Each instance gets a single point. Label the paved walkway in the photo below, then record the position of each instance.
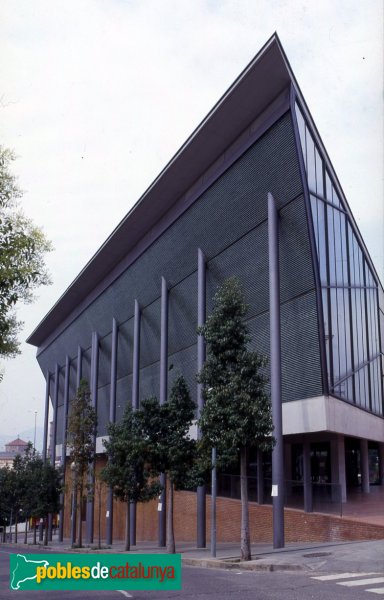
(366, 508)
(342, 557)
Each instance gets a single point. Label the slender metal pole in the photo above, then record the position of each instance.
(136, 357)
(213, 503)
(79, 367)
(45, 438)
(275, 365)
(34, 433)
(135, 402)
(46, 415)
(307, 476)
(91, 479)
(74, 504)
(64, 445)
(112, 419)
(163, 398)
(201, 353)
(54, 436)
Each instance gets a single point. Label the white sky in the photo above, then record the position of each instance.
(97, 95)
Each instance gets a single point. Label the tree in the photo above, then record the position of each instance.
(41, 487)
(171, 451)
(127, 470)
(22, 249)
(82, 423)
(237, 412)
(6, 485)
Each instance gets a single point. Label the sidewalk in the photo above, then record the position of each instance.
(328, 558)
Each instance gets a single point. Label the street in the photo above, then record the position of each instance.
(202, 583)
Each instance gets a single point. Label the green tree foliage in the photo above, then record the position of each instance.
(22, 250)
(82, 423)
(171, 451)
(30, 489)
(127, 470)
(237, 413)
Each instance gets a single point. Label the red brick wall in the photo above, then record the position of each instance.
(299, 526)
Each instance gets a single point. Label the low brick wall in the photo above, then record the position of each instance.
(299, 526)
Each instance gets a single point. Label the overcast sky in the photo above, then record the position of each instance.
(97, 95)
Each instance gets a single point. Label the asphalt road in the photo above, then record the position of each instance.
(215, 584)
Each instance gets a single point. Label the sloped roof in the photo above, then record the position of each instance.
(261, 82)
(17, 442)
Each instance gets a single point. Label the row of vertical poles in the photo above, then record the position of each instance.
(275, 362)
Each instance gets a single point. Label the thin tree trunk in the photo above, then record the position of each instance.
(46, 530)
(171, 549)
(16, 522)
(127, 529)
(80, 527)
(34, 533)
(26, 532)
(245, 536)
(99, 492)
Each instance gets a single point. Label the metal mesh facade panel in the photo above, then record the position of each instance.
(125, 349)
(229, 223)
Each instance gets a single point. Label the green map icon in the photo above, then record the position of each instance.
(24, 570)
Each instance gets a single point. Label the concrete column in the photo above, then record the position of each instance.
(54, 435)
(308, 501)
(135, 401)
(381, 462)
(275, 367)
(338, 473)
(201, 316)
(364, 466)
(163, 398)
(91, 480)
(112, 419)
(64, 444)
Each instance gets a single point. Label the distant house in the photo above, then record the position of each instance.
(12, 449)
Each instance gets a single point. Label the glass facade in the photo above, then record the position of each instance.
(349, 288)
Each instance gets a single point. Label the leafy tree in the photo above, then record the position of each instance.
(5, 496)
(22, 250)
(82, 423)
(237, 411)
(127, 470)
(41, 486)
(171, 451)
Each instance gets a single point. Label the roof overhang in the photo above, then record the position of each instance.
(266, 76)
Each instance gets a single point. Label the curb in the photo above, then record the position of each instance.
(214, 563)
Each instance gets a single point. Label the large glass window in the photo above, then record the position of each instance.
(349, 288)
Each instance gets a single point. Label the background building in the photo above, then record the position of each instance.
(133, 310)
(12, 449)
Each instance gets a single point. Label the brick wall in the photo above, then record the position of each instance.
(299, 526)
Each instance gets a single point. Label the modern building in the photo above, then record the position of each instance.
(12, 449)
(135, 306)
